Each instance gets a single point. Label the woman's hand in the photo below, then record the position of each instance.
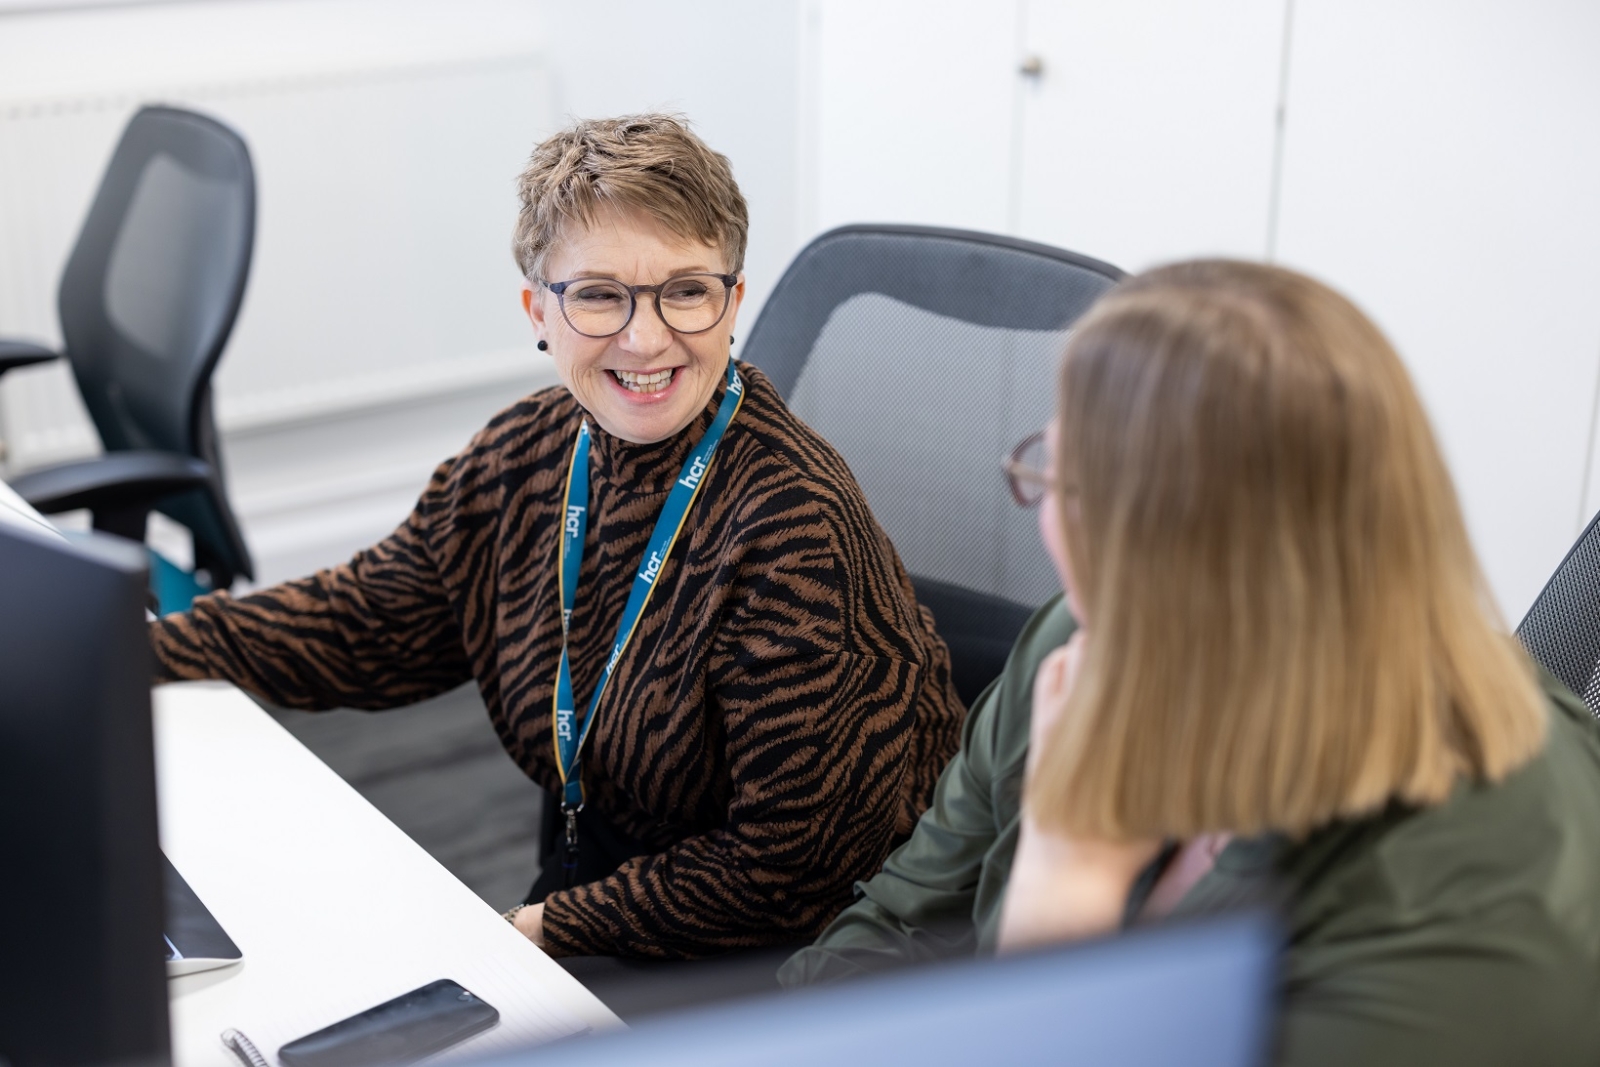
(529, 922)
(1062, 887)
(1052, 685)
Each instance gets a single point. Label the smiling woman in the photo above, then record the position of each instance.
(684, 621)
(642, 374)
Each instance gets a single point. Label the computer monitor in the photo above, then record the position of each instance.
(81, 974)
(1200, 994)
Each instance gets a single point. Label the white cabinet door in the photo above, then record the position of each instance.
(913, 111)
(1442, 167)
(1149, 133)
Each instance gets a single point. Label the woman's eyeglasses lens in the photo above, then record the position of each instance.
(600, 307)
(1027, 470)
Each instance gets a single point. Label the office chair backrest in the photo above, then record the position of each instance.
(923, 355)
(150, 294)
(1562, 629)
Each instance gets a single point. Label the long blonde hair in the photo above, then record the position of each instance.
(1288, 623)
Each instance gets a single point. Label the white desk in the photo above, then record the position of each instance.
(334, 908)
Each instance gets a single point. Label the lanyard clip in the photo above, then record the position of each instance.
(569, 863)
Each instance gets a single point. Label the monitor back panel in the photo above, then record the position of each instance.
(81, 974)
(1201, 994)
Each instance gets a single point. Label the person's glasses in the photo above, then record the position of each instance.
(1027, 470)
(600, 307)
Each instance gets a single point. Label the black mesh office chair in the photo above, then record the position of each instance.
(1562, 629)
(147, 301)
(923, 355)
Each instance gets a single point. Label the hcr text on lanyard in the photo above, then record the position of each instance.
(567, 732)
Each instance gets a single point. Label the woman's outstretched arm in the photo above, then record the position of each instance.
(376, 632)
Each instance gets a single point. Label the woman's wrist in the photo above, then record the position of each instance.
(528, 920)
(1063, 888)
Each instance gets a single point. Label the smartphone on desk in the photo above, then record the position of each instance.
(402, 1030)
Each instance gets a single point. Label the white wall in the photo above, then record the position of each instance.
(1442, 166)
(912, 112)
(1139, 144)
(1149, 133)
(1439, 161)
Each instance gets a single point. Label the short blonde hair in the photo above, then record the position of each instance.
(1288, 623)
(652, 163)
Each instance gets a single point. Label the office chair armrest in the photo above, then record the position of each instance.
(14, 354)
(116, 481)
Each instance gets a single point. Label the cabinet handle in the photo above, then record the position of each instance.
(1032, 67)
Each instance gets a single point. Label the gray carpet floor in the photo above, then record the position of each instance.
(437, 770)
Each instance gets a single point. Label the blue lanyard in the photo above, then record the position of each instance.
(569, 736)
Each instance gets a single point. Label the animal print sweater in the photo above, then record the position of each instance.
(775, 726)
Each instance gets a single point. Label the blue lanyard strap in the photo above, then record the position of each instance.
(569, 736)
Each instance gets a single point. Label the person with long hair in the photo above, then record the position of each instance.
(1287, 681)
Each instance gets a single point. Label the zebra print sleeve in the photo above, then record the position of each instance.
(377, 632)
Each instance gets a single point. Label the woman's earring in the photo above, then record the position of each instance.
(730, 340)
(543, 345)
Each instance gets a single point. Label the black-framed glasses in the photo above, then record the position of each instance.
(600, 307)
(1027, 470)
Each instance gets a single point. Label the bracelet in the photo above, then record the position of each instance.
(510, 915)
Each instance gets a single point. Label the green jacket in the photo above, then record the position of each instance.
(1464, 934)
